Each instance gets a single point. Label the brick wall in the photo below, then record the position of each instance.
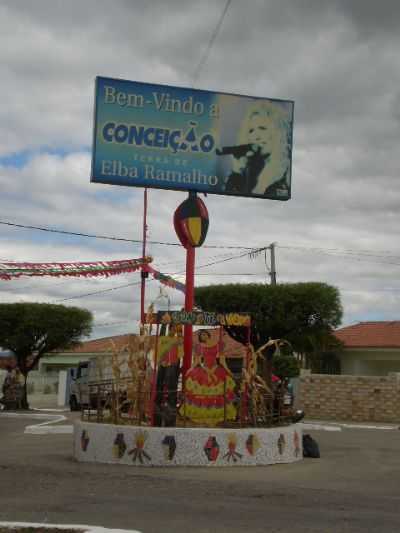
(356, 398)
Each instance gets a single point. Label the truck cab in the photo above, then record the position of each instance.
(79, 389)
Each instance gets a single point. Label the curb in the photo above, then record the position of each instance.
(86, 529)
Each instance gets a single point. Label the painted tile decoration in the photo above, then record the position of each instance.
(296, 442)
(169, 447)
(281, 444)
(172, 447)
(252, 444)
(138, 452)
(84, 440)
(119, 446)
(211, 448)
(232, 453)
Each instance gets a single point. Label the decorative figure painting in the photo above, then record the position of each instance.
(138, 452)
(296, 442)
(281, 444)
(252, 444)
(169, 447)
(119, 446)
(209, 384)
(84, 440)
(232, 453)
(211, 449)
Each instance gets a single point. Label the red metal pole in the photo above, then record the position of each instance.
(189, 302)
(142, 272)
(154, 379)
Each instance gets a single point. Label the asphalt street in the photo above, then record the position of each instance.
(354, 487)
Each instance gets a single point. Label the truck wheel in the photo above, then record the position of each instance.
(73, 404)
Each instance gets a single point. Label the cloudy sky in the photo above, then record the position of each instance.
(339, 60)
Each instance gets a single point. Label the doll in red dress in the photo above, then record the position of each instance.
(209, 384)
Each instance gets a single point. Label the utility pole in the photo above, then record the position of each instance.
(273, 269)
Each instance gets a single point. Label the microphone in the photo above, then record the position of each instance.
(237, 151)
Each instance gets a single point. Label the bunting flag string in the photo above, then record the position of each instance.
(11, 270)
(164, 279)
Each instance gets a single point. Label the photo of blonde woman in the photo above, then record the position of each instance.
(261, 158)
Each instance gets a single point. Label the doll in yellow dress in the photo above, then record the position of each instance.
(209, 384)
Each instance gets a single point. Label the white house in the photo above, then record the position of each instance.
(370, 348)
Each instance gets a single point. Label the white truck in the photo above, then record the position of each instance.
(95, 378)
(79, 386)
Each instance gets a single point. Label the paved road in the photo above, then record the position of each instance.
(354, 487)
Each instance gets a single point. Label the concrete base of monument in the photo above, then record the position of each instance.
(151, 446)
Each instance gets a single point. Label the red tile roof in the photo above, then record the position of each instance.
(370, 335)
(101, 345)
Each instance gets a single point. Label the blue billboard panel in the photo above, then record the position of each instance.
(164, 137)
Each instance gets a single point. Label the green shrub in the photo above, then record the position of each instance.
(286, 366)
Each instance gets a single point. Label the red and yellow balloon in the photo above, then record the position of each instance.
(191, 222)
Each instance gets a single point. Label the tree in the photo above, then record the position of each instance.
(298, 312)
(31, 330)
(321, 353)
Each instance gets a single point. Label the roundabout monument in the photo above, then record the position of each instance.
(166, 400)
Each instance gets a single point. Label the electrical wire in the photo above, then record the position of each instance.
(230, 274)
(383, 254)
(121, 239)
(207, 50)
(102, 291)
(109, 324)
(339, 251)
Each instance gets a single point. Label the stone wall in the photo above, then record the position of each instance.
(356, 398)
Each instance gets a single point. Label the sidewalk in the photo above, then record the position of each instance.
(348, 424)
(43, 401)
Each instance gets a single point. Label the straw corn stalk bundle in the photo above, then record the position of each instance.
(131, 371)
(260, 394)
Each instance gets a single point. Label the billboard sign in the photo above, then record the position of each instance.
(164, 137)
(199, 318)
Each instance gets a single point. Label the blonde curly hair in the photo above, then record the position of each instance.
(274, 115)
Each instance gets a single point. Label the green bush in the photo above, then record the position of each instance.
(286, 366)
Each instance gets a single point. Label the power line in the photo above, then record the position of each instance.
(362, 257)
(231, 274)
(334, 251)
(109, 324)
(94, 293)
(207, 51)
(99, 292)
(338, 251)
(111, 238)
